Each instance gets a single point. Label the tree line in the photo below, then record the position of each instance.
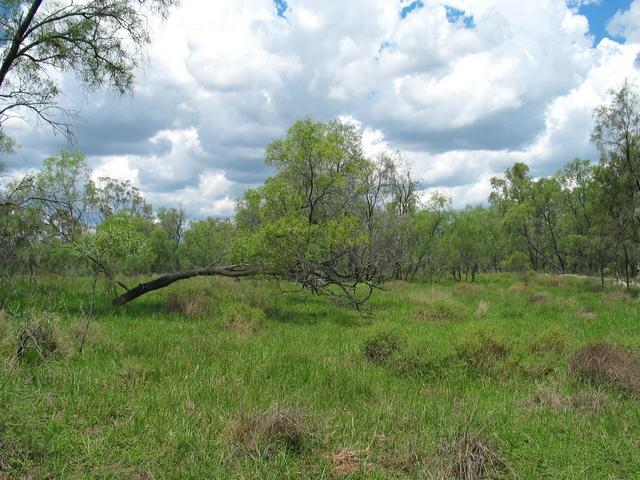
(335, 222)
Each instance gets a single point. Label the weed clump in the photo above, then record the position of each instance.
(382, 347)
(472, 457)
(267, 433)
(604, 363)
(242, 318)
(38, 339)
(481, 351)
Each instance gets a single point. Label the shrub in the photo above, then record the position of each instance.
(382, 347)
(267, 433)
(604, 363)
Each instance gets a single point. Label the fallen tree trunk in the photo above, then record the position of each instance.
(166, 280)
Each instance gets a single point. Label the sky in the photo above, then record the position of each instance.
(463, 89)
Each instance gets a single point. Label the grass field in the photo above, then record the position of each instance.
(214, 378)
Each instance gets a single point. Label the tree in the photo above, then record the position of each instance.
(99, 40)
(312, 222)
(172, 221)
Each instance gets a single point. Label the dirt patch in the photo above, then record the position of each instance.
(605, 363)
(346, 461)
(267, 433)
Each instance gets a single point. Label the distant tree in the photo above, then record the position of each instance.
(99, 40)
(173, 221)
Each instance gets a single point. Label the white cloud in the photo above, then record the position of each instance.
(226, 77)
(626, 23)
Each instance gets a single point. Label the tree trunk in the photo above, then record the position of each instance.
(166, 280)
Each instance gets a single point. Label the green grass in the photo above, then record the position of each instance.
(188, 382)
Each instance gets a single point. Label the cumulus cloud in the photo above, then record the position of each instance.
(462, 88)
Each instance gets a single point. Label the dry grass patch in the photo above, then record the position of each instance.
(435, 313)
(469, 456)
(586, 313)
(345, 461)
(539, 297)
(264, 434)
(554, 281)
(592, 401)
(466, 288)
(605, 363)
(483, 309)
(189, 304)
(518, 288)
(616, 295)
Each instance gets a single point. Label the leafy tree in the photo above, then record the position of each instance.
(99, 40)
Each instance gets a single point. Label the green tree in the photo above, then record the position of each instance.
(99, 40)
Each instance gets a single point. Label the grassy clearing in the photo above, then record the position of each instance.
(215, 378)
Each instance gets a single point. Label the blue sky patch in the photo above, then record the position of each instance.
(599, 13)
(415, 5)
(455, 15)
(281, 7)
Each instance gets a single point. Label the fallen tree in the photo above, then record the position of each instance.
(166, 280)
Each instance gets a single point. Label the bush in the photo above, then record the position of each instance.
(604, 363)
(382, 347)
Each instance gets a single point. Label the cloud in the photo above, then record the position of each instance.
(462, 88)
(626, 24)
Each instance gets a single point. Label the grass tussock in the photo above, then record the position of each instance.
(591, 401)
(265, 434)
(482, 350)
(438, 312)
(483, 309)
(189, 304)
(605, 363)
(39, 339)
(242, 318)
(539, 297)
(586, 313)
(381, 348)
(472, 457)
(553, 339)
